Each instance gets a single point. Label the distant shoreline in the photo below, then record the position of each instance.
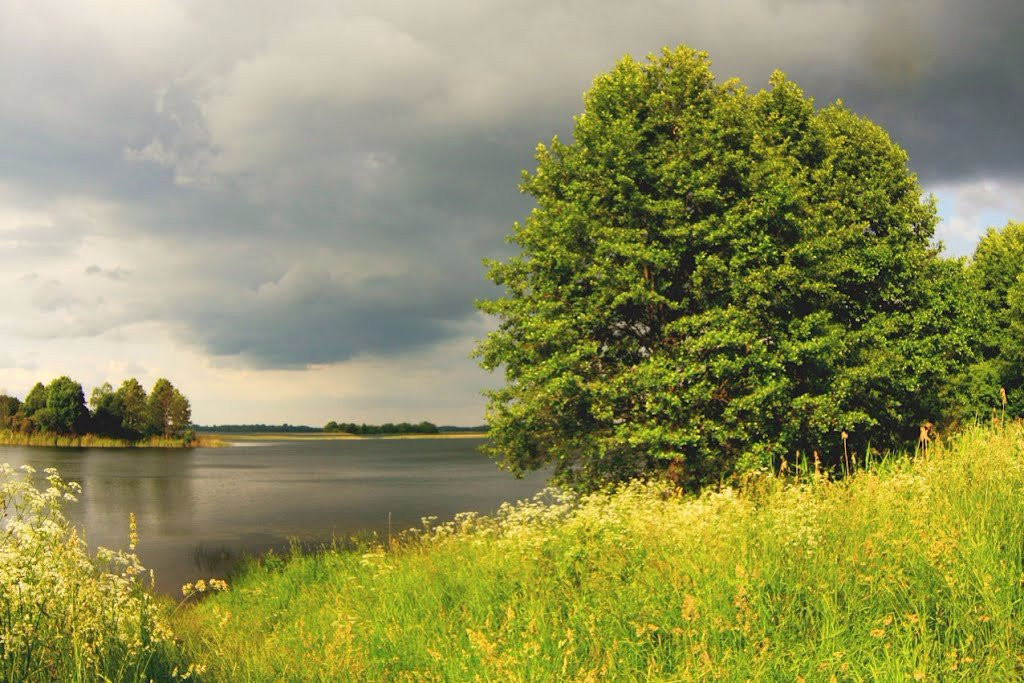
(207, 439)
(337, 436)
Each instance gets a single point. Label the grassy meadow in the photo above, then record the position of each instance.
(910, 569)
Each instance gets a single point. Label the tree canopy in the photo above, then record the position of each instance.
(127, 413)
(35, 399)
(168, 411)
(712, 280)
(131, 399)
(65, 407)
(997, 275)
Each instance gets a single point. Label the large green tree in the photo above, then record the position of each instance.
(9, 407)
(34, 400)
(131, 398)
(107, 411)
(65, 407)
(158, 405)
(996, 272)
(169, 413)
(712, 280)
(179, 414)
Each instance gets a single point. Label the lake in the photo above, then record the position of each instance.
(201, 510)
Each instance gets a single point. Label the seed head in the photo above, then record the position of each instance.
(133, 531)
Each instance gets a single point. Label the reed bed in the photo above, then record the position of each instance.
(13, 438)
(908, 569)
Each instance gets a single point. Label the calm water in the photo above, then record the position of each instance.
(201, 510)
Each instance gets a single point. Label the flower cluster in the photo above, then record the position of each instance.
(201, 586)
(67, 616)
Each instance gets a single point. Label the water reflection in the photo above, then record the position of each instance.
(199, 511)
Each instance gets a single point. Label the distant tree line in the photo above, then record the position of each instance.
(446, 429)
(256, 429)
(387, 428)
(125, 413)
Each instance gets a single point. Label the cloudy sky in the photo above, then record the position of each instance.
(283, 207)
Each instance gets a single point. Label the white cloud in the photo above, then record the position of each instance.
(968, 209)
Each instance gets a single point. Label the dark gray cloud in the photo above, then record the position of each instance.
(312, 315)
(307, 184)
(945, 79)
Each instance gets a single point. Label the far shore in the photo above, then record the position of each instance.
(336, 436)
(206, 439)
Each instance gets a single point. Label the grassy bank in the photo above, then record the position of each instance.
(11, 438)
(909, 571)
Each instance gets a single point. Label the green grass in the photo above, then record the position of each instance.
(12, 438)
(909, 571)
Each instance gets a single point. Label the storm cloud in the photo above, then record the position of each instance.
(305, 184)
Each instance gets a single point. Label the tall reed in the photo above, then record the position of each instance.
(13, 438)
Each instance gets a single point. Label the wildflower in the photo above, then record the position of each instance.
(878, 633)
(133, 531)
(46, 573)
(643, 629)
(689, 609)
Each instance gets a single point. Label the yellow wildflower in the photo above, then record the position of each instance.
(133, 531)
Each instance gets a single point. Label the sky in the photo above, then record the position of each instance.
(284, 207)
